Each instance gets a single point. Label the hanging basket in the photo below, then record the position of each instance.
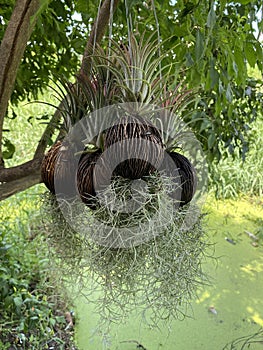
(48, 166)
(84, 178)
(57, 170)
(188, 177)
(137, 147)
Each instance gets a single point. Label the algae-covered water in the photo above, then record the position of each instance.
(229, 308)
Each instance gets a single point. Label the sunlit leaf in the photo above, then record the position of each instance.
(9, 149)
(229, 93)
(250, 53)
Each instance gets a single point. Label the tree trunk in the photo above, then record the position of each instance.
(12, 49)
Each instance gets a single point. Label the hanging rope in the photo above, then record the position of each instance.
(97, 32)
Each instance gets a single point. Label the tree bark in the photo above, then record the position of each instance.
(20, 171)
(19, 178)
(12, 49)
(8, 189)
(97, 32)
(47, 134)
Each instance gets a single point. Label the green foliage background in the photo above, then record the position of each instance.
(212, 43)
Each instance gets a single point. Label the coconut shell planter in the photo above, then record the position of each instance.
(134, 145)
(57, 170)
(84, 178)
(139, 143)
(187, 177)
(58, 163)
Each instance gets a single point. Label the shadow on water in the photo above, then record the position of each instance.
(229, 308)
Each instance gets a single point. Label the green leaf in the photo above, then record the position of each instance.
(189, 59)
(195, 76)
(8, 301)
(43, 6)
(220, 87)
(34, 318)
(206, 124)
(218, 106)
(9, 149)
(250, 53)
(239, 65)
(229, 93)
(132, 3)
(18, 301)
(199, 45)
(242, 2)
(223, 3)
(52, 322)
(214, 75)
(211, 18)
(181, 30)
(211, 140)
(230, 66)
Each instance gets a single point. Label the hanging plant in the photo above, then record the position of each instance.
(84, 178)
(138, 241)
(48, 167)
(125, 74)
(76, 101)
(159, 276)
(59, 161)
(141, 154)
(188, 177)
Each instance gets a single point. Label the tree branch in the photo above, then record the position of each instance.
(47, 134)
(10, 188)
(19, 171)
(96, 35)
(97, 32)
(12, 49)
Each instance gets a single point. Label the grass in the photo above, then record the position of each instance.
(24, 128)
(32, 304)
(231, 176)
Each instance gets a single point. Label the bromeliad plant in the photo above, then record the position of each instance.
(76, 101)
(130, 74)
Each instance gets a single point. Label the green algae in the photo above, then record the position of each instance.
(229, 308)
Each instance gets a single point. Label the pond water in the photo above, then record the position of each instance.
(230, 307)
